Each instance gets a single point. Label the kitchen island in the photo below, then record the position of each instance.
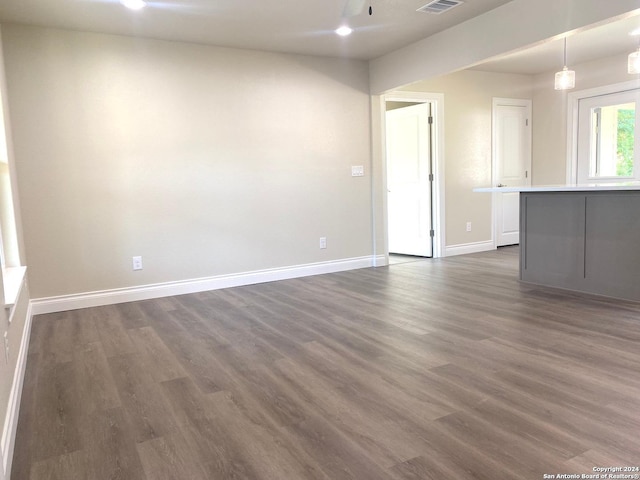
(581, 237)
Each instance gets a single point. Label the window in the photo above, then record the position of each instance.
(608, 141)
(12, 273)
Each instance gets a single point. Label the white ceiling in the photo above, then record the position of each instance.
(307, 27)
(293, 26)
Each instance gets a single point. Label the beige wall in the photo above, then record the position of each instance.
(550, 108)
(468, 97)
(204, 160)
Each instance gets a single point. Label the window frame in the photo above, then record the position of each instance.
(585, 139)
(573, 102)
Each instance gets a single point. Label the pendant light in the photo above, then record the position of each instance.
(565, 79)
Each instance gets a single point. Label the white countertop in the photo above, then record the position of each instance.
(587, 187)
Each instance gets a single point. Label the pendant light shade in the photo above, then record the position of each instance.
(565, 79)
(633, 62)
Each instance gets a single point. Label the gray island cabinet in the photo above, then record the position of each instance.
(583, 237)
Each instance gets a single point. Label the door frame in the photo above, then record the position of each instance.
(437, 145)
(514, 102)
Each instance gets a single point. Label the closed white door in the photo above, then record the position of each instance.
(512, 165)
(408, 153)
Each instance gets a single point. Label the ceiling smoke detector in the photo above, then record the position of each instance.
(439, 6)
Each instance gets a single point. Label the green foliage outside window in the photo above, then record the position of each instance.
(626, 127)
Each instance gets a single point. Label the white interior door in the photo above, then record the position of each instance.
(512, 164)
(408, 180)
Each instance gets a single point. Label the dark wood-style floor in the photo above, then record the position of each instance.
(435, 369)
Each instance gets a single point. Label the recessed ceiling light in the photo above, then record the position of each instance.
(635, 32)
(133, 4)
(344, 31)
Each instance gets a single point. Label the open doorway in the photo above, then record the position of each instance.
(412, 177)
(409, 178)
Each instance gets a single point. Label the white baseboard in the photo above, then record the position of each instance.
(145, 292)
(15, 396)
(464, 248)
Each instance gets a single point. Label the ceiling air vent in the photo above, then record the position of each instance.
(439, 6)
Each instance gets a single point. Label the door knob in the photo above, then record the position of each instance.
(501, 185)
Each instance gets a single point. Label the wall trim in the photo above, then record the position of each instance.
(474, 247)
(145, 292)
(15, 396)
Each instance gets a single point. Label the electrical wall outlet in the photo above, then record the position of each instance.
(468, 226)
(137, 263)
(323, 242)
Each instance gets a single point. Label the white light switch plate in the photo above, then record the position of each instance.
(357, 171)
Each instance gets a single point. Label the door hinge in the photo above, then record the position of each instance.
(431, 177)
(526, 174)
(430, 120)
(526, 122)
(432, 233)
